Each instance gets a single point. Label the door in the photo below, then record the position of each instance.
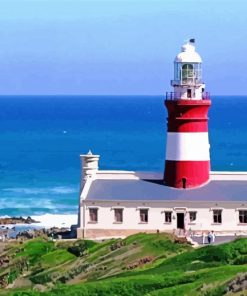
(180, 220)
(189, 93)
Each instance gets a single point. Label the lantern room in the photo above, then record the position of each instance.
(187, 80)
(187, 73)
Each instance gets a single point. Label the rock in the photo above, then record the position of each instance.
(236, 288)
(31, 233)
(244, 284)
(241, 277)
(117, 245)
(232, 283)
(28, 234)
(238, 284)
(17, 220)
(29, 220)
(39, 288)
(139, 263)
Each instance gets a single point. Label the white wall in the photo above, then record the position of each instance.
(131, 216)
(131, 219)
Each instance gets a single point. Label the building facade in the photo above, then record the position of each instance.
(118, 203)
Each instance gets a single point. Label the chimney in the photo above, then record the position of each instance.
(90, 165)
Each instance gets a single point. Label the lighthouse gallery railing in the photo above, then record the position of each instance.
(178, 95)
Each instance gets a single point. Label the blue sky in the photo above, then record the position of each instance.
(118, 47)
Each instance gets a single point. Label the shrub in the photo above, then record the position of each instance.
(218, 291)
(41, 278)
(78, 249)
(240, 260)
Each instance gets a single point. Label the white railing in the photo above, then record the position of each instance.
(173, 96)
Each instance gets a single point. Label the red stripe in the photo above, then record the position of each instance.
(195, 173)
(187, 115)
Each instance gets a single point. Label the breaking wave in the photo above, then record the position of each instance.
(24, 201)
(35, 191)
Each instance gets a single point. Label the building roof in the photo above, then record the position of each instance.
(154, 190)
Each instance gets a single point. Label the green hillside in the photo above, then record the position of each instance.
(142, 264)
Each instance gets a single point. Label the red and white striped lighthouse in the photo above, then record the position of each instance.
(187, 150)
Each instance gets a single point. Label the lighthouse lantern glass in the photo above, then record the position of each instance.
(187, 73)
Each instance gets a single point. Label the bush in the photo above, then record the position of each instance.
(218, 291)
(78, 249)
(240, 260)
(41, 278)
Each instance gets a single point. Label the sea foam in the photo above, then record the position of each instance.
(34, 191)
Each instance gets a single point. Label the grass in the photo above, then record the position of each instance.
(55, 258)
(176, 269)
(35, 249)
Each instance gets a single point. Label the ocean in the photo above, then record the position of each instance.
(41, 138)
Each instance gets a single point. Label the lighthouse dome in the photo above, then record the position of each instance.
(188, 54)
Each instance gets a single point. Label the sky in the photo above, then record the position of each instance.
(121, 47)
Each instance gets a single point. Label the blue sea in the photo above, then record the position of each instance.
(41, 138)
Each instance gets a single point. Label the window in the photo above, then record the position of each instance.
(93, 215)
(192, 216)
(187, 71)
(176, 71)
(243, 216)
(198, 71)
(168, 217)
(144, 215)
(217, 216)
(118, 213)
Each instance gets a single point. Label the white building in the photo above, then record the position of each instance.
(188, 197)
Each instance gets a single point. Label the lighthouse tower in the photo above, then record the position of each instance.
(187, 150)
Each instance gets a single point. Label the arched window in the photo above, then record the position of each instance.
(187, 71)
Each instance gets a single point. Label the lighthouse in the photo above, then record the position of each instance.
(187, 162)
(188, 197)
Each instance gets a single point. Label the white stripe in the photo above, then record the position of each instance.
(187, 146)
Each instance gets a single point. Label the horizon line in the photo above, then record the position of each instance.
(105, 95)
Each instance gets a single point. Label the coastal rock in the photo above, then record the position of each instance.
(31, 233)
(17, 220)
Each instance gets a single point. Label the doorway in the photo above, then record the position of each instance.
(189, 93)
(180, 220)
